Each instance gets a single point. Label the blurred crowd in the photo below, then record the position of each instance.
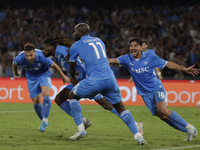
(172, 31)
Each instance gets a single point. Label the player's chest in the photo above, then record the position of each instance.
(33, 67)
(139, 66)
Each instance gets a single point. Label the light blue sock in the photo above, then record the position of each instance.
(76, 111)
(115, 112)
(176, 126)
(178, 119)
(65, 106)
(38, 110)
(130, 122)
(46, 106)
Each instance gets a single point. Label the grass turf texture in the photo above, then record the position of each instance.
(19, 129)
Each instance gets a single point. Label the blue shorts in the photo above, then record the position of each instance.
(89, 88)
(98, 96)
(151, 99)
(34, 87)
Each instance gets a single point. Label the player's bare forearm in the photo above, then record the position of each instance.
(59, 71)
(113, 61)
(72, 70)
(190, 70)
(175, 66)
(15, 70)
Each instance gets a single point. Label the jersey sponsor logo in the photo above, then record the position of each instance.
(140, 70)
(146, 62)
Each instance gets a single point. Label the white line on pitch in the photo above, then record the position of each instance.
(172, 148)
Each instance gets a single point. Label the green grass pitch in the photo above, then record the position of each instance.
(19, 129)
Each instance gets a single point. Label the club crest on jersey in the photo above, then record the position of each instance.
(39, 64)
(131, 64)
(146, 62)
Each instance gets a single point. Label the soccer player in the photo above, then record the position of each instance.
(38, 78)
(100, 79)
(59, 48)
(144, 49)
(141, 67)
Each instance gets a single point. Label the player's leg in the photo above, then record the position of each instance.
(162, 110)
(46, 107)
(113, 95)
(105, 104)
(76, 114)
(38, 107)
(108, 106)
(61, 100)
(34, 91)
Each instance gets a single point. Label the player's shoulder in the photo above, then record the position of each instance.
(151, 51)
(21, 54)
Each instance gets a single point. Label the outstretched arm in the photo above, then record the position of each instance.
(59, 71)
(113, 61)
(190, 70)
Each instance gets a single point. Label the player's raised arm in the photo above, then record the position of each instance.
(59, 71)
(190, 70)
(113, 61)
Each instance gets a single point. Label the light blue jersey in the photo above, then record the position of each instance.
(37, 73)
(36, 69)
(142, 70)
(100, 77)
(151, 51)
(92, 52)
(60, 58)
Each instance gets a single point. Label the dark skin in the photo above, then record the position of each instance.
(63, 95)
(80, 30)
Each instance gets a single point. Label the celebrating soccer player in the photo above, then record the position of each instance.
(141, 67)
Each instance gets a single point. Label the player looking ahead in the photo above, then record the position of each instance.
(100, 79)
(141, 67)
(38, 78)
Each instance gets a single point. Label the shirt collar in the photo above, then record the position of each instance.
(85, 36)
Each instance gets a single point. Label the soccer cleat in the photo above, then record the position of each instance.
(78, 135)
(139, 138)
(87, 123)
(141, 141)
(43, 126)
(189, 137)
(191, 130)
(140, 127)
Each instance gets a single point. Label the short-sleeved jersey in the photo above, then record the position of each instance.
(92, 52)
(36, 69)
(60, 58)
(142, 70)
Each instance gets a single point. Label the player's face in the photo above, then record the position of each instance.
(76, 34)
(30, 55)
(135, 50)
(144, 47)
(47, 50)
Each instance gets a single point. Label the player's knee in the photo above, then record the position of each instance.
(57, 100)
(162, 111)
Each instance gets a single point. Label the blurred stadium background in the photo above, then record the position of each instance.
(172, 28)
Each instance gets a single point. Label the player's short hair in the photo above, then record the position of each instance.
(29, 47)
(144, 41)
(137, 40)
